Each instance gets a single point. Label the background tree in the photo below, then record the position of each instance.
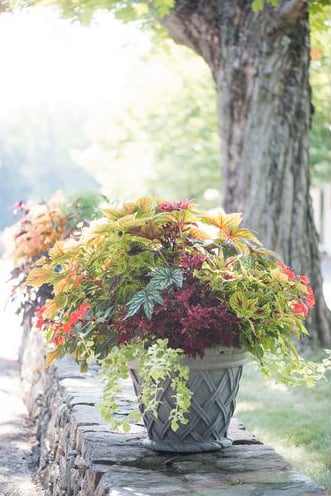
(259, 56)
(35, 160)
(320, 133)
(143, 136)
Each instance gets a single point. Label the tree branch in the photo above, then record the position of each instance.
(290, 10)
(194, 23)
(178, 33)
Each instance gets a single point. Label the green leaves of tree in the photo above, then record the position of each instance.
(258, 5)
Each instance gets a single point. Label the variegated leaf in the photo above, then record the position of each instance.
(41, 275)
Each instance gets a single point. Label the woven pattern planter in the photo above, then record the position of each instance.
(214, 381)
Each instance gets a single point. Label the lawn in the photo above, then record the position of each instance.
(295, 421)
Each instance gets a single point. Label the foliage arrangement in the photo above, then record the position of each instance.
(153, 280)
(40, 226)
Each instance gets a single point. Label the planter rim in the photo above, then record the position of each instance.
(218, 357)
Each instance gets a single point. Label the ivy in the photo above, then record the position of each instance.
(154, 364)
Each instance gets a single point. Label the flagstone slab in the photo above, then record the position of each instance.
(81, 457)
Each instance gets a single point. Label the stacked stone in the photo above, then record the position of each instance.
(80, 457)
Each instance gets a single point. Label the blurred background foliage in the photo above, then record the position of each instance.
(118, 115)
(320, 135)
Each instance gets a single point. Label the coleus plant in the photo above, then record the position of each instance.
(40, 225)
(154, 280)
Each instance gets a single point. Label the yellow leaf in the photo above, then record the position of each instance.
(222, 220)
(238, 235)
(144, 205)
(179, 217)
(141, 207)
(41, 261)
(51, 356)
(60, 286)
(264, 252)
(148, 230)
(56, 250)
(41, 275)
(111, 213)
(278, 275)
(302, 287)
(196, 233)
(50, 309)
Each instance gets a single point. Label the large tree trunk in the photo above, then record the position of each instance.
(260, 64)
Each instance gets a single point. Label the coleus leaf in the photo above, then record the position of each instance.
(42, 275)
(56, 250)
(223, 221)
(196, 234)
(147, 230)
(238, 238)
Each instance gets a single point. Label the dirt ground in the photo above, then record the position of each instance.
(17, 463)
(17, 458)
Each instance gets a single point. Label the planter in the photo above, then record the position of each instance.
(214, 381)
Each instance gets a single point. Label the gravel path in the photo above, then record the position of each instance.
(17, 463)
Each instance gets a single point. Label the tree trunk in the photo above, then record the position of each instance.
(260, 64)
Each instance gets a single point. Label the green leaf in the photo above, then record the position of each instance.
(164, 6)
(147, 298)
(257, 5)
(61, 300)
(126, 428)
(164, 277)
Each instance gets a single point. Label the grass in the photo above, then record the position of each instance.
(296, 422)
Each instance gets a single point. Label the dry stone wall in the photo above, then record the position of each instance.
(80, 457)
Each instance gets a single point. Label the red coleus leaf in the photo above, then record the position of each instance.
(189, 318)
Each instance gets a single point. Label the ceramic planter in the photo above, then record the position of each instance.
(214, 381)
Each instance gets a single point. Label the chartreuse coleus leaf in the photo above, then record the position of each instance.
(222, 220)
(42, 275)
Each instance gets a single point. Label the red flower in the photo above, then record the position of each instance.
(171, 206)
(39, 314)
(58, 339)
(304, 279)
(19, 204)
(310, 300)
(78, 314)
(290, 274)
(78, 281)
(166, 206)
(299, 309)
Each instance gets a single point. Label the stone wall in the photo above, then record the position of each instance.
(80, 457)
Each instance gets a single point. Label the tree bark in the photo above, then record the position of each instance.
(260, 64)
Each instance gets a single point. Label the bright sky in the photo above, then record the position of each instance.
(45, 58)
